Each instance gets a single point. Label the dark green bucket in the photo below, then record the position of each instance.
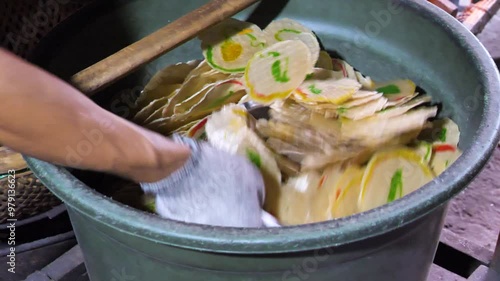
(384, 39)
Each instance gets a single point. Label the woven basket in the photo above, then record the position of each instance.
(23, 23)
(29, 196)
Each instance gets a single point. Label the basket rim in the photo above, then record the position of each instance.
(10, 153)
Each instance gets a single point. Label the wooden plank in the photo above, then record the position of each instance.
(495, 262)
(483, 273)
(465, 246)
(464, 3)
(479, 274)
(29, 261)
(489, 36)
(438, 273)
(479, 14)
(65, 264)
(38, 276)
(447, 6)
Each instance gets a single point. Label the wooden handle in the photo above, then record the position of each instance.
(125, 61)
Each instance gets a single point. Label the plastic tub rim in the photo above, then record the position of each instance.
(375, 222)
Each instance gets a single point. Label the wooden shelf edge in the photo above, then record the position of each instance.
(465, 246)
(481, 13)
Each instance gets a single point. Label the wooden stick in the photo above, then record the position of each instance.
(446, 5)
(125, 61)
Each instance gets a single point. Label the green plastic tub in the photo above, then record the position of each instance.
(397, 242)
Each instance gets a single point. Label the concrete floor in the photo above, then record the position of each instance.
(490, 36)
(475, 213)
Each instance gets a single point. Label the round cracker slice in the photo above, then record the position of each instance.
(192, 86)
(198, 130)
(390, 175)
(227, 91)
(361, 101)
(448, 131)
(361, 94)
(347, 194)
(363, 111)
(163, 83)
(445, 147)
(312, 43)
(324, 74)
(330, 90)
(202, 68)
(323, 197)
(366, 81)
(281, 147)
(288, 29)
(403, 108)
(285, 29)
(424, 149)
(396, 90)
(231, 118)
(187, 104)
(275, 72)
(444, 155)
(185, 128)
(202, 109)
(343, 67)
(145, 112)
(158, 112)
(228, 130)
(294, 203)
(373, 131)
(228, 46)
(399, 101)
(324, 61)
